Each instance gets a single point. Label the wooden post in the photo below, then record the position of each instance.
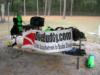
(78, 57)
(78, 60)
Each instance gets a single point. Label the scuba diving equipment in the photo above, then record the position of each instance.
(19, 23)
(90, 61)
(36, 22)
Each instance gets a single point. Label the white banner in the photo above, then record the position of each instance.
(53, 41)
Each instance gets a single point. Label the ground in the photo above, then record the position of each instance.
(13, 62)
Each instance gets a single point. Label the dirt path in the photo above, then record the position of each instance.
(17, 63)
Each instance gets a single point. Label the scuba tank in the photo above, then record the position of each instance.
(90, 61)
(19, 23)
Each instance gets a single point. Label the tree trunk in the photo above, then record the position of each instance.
(71, 10)
(49, 7)
(45, 10)
(24, 7)
(64, 10)
(60, 7)
(37, 7)
(8, 10)
(3, 12)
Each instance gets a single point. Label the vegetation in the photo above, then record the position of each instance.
(55, 7)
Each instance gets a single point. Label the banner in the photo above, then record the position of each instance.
(53, 41)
